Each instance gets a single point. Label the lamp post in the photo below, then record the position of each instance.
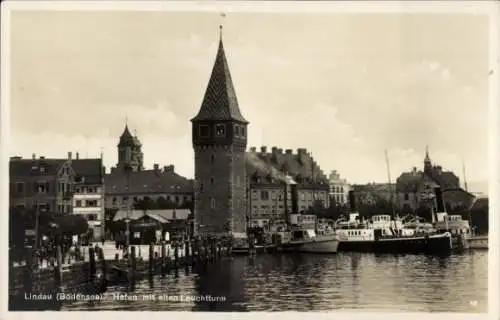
(128, 170)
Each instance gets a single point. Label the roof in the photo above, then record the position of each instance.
(272, 168)
(29, 167)
(162, 216)
(220, 102)
(147, 181)
(409, 181)
(127, 139)
(90, 169)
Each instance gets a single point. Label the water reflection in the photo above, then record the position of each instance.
(320, 282)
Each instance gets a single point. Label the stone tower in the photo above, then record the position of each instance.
(129, 152)
(219, 134)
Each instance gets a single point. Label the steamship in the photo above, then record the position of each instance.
(386, 234)
(297, 237)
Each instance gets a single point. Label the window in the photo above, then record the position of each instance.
(204, 131)
(236, 130)
(212, 203)
(20, 187)
(406, 196)
(220, 130)
(264, 195)
(79, 203)
(41, 187)
(91, 203)
(242, 132)
(176, 199)
(43, 207)
(92, 217)
(114, 200)
(201, 187)
(212, 158)
(212, 181)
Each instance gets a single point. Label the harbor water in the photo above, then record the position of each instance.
(308, 282)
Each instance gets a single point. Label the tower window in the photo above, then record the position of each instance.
(212, 158)
(212, 203)
(220, 130)
(242, 132)
(204, 131)
(236, 130)
(212, 181)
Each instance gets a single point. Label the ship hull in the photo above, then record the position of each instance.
(436, 244)
(327, 246)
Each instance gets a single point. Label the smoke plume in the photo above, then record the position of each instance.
(267, 168)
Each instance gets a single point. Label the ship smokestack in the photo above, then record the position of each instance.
(439, 200)
(352, 201)
(295, 198)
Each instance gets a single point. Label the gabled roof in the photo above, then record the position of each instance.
(90, 169)
(29, 167)
(220, 102)
(147, 181)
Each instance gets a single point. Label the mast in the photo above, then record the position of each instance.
(390, 183)
(465, 176)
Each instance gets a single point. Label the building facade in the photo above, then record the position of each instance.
(219, 138)
(339, 188)
(415, 188)
(42, 184)
(129, 183)
(88, 193)
(269, 197)
(60, 187)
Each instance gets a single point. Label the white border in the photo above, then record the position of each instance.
(472, 7)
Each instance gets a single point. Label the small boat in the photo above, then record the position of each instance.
(308, 241)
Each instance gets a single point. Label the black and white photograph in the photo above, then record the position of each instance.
(263, 156)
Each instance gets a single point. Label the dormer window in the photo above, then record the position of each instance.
(204, 131)
(220, 130)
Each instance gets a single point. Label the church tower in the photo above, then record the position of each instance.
(219, 135)
(129, 152)
(427, 161)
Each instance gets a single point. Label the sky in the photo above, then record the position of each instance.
(346, 86)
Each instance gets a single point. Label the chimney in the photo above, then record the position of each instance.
(352, 200)
(33, 156)
(169, 168)
(439, 200)
(288, 151)
(77, 156)
(295, 198)
(253, 149)
(42, 158)
(156, 167)
(15, 158)
(69, 155)
(263, 149)
(274, 150)
(280, 151)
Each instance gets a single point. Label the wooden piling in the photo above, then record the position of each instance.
(151, 259)
(132, 266)
(102, 260)
(163, 258)
(176, 255)
(92, 266)
(28, 271)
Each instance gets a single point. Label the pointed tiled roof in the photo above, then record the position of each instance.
(127, 138)
(220, 102)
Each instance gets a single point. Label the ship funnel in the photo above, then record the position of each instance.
(352, 201)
